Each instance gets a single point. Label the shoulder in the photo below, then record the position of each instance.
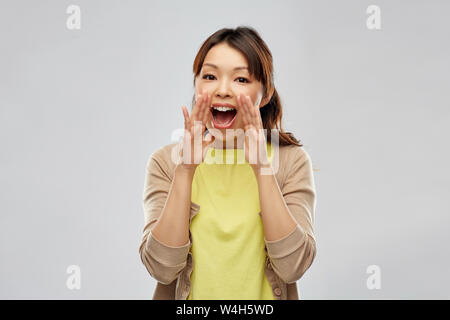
(290, 154)
(164, 152)
(163, 158)
(292, 159)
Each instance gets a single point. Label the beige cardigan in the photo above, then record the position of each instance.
(287, 258)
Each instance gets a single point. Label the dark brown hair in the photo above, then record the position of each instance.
(259, 59)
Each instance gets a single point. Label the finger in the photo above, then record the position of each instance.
(206, 111)
(257, 120)
(197, 106)
(238, 100)
(243, 110)
(186, 117)
(202, 105)
(256, 113)
(249, 105)
(201, 113)
(248, 112)
(258, 116)
(198, 121)
(251, 111)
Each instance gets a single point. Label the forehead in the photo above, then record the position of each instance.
(225, 57)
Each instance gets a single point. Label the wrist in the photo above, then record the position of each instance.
(188, 171)
(262, 170)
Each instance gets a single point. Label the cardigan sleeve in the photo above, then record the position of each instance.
(293, 254)
(163, 262)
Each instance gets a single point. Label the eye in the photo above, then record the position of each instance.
(245, 79)
(207, 75)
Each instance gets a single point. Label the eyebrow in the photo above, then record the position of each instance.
(216, 67)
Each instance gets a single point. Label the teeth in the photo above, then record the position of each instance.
(223, 108)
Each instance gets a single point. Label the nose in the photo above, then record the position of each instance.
(223, 90)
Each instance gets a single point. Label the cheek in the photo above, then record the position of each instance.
(198, 88)
(255, 98)
(202, 86)
(255, 94)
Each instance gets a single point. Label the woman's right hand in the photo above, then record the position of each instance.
(194, 128)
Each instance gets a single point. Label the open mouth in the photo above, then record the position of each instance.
(223, 117)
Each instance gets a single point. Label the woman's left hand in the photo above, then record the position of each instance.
(255, 141)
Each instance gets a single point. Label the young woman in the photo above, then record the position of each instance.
(228, 229)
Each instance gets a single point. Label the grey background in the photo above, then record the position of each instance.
(82, 110)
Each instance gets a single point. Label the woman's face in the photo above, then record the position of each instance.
(224, 75)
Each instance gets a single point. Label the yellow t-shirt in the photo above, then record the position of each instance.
(227, 232)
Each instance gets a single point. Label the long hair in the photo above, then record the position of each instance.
(260, 63)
